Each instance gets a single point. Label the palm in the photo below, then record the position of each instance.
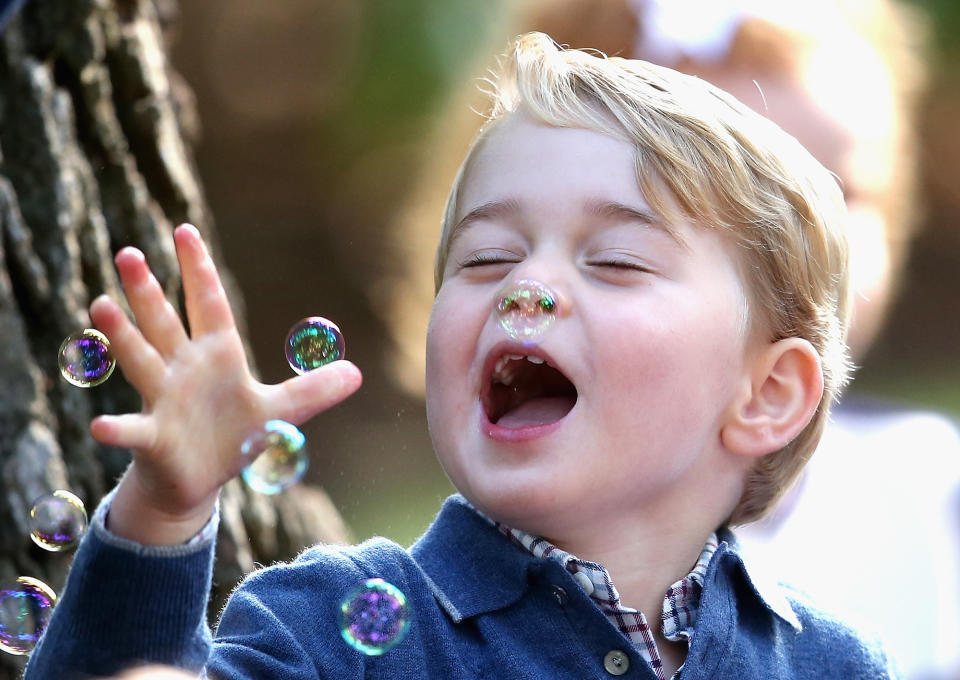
(206, 403)
(199, 399)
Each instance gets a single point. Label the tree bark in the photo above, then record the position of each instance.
(96, 138)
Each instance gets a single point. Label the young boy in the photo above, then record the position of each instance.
(699, 264)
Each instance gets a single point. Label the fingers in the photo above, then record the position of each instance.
(298, 399)
(129, 431)
(208, 309)
(140, 362)
(156, 317)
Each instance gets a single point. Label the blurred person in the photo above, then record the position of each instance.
(843, 79)
(881, 494)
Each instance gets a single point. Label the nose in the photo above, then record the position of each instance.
(526, 309)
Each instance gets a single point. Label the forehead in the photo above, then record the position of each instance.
(549, 168)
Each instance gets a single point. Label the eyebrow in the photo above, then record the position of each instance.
(485, 211)
(609, 210)
(613, 210)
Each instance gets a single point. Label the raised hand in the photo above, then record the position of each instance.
(199, 399)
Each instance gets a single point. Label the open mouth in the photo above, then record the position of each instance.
(526, 391)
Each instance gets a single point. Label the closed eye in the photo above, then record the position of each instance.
(482, 259)
(619, 264)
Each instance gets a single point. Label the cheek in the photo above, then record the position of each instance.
(675, 365)
(436, 386)
(451, 336)
(438, 339)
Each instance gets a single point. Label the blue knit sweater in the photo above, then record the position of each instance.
(482, 607)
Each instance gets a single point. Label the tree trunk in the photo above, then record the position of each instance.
(96, 136)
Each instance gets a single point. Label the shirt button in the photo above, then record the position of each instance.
(559, 594)
(616, 662)
(584, 582)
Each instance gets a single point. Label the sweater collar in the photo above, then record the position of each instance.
(473, 568)
(765, 588)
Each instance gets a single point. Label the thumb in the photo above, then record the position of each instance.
(300, 398)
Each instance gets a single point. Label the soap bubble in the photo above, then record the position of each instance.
(526, 309)
(85, 358)
(57, 521)
(313, 342)
(374, 617)
(279, 454)
(25, 608)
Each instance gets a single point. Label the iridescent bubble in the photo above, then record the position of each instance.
(526, 309)
(373, 617)
(57, 521)
(85, 358)
(313, 342)
(279, 455)
(25, 608)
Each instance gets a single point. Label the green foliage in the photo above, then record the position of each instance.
(945, 21)
(412, 52)
(923, 386)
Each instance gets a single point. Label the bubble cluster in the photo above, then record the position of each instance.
(313, 342)
(526, 309)
(25, 608)
(279, 454)
(85, 358)
(373, 617)
(57, 521)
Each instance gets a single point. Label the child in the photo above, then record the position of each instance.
(699, 264)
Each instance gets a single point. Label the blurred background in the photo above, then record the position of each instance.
(318, 120)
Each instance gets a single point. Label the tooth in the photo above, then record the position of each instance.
(501, 362)
(535, 360)
(505, 377)
(514, 356)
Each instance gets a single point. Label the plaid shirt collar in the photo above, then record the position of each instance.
(460, 539)
(681, 602)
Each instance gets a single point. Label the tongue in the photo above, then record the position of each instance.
(539, 411)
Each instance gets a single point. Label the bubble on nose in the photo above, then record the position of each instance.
(278, 455)
(374, 617)
(85, 358)
(57, 521)
(526, 310)
(313, 342)
(25, 608)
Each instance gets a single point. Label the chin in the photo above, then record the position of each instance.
(529, 507)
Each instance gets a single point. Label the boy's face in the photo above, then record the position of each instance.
(649, 338)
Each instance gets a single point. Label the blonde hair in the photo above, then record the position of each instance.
(704, 156)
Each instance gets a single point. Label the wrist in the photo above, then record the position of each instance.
(136, 516)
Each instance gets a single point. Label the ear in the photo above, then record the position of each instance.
(784, 390)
